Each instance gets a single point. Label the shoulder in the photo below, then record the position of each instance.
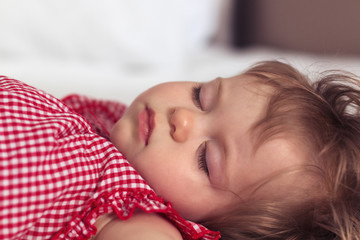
(140, 226)
(28, 100)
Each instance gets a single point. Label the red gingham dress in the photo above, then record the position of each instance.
(58, 172)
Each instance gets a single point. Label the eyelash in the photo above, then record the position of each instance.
(202, 159)
(202, 153)
(196, 96)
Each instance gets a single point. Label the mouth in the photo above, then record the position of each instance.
(146, 124)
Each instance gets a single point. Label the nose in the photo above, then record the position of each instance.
(181, 123)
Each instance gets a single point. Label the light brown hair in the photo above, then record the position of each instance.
(324, 117)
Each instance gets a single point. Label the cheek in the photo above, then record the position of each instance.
(122, 138)
(179, 186)
(175, 177)
(169, 173)
(118, 135)
(161, 167)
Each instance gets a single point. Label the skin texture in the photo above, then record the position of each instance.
(141, 225)
(221, 119)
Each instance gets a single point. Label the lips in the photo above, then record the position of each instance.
(146, 124)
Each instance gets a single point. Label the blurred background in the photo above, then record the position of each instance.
(115, 49)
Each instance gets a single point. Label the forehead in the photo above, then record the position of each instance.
(242, 104)
(245, 98)
(249, 165)
(250, 97)
(247, 88)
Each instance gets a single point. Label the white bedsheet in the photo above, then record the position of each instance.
(107, 80)
(118, 48)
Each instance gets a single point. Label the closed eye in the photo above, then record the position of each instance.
(202, 159)
(196, 96)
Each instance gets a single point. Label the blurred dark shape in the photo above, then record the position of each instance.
(321, 26)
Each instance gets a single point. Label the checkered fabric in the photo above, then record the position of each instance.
(100, 114)
(57, 175)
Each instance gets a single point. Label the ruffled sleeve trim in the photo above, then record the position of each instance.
(124, 203)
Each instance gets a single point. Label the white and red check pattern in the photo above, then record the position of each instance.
(57, 175)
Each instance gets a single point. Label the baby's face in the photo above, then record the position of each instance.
(192, 143)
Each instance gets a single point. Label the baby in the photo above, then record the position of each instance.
(262, 155)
